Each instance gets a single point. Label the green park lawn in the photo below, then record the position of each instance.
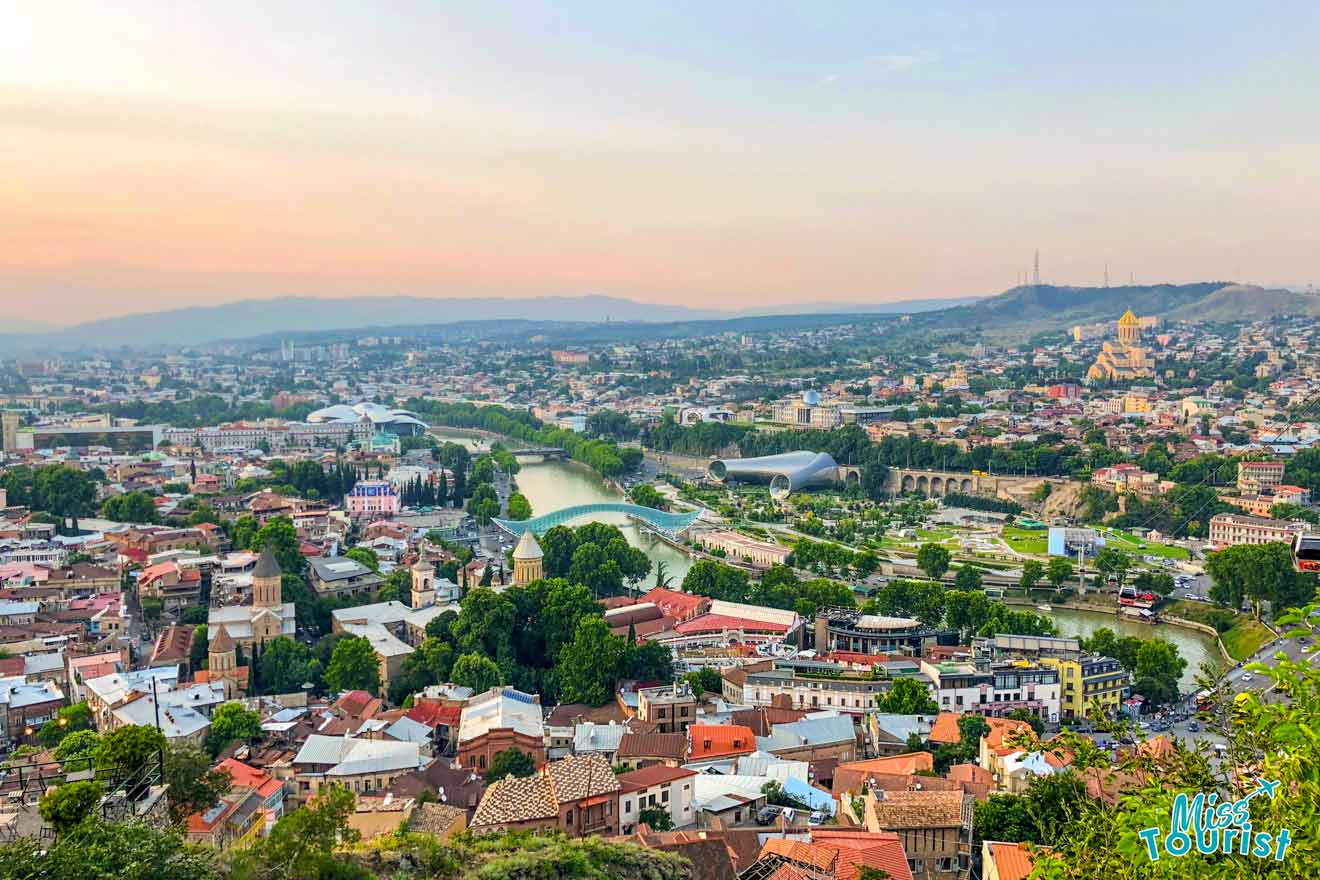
(1241, 640)
(1031, 541)
(1133, 545)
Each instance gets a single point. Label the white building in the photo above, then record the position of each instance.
(671, 789)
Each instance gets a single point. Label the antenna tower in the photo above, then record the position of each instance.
(1035, 271)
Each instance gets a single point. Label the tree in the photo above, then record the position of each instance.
(593, 568)
(933, 560)
(476, 672)
(102, 850)
(705, 680)
(662, 576)
(519, 507)
(366, 556)
(1156, 672)
(651, 662)
(717, 580)
(67, 805)
(63, 491)
(1032, 571)
(1257, 574)
(397, 587)
(152, 608)
(907, 696)
(69, 719)
(485, 623)
(77, 751)
(1029, 717)
(1111, 561)
(432, 663)
(285, 666)
(126, 750)
(966, 612)
(591, 664)
(193, 784)
(282, 538)
(968, 578)
(230, 723)
(1160, 583)
(776, 796)
(1058, 572)
(1003, 817)
(646, 495)
(130, 507)
(353, 666)
(510, 762)
(656, 818)
(564, 606)
(302, 844)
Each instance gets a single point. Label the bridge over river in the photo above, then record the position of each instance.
(662, 521)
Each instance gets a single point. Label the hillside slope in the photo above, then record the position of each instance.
(1239, 302)
(1061, 306)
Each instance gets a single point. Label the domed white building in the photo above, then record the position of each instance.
(381, 418)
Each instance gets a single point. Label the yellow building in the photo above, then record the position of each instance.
(1088, 681)
(528, 560)
(1125, 359)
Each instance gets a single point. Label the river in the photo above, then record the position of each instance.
(551, 485)
(554, 484)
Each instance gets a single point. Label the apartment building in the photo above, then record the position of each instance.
(1232, 529)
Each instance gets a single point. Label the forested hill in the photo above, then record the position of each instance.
(1062, 306)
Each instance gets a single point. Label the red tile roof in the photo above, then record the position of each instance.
(1013, 861)
(657, 774)
(721, 622)
(719, 741)
(675, 603)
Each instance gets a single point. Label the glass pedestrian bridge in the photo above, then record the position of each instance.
(662, 521)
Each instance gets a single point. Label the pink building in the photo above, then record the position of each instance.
(372, 499)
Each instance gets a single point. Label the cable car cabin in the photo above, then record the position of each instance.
(1306, 551)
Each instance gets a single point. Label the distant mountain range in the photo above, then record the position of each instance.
(1032, 307)
(244, 319)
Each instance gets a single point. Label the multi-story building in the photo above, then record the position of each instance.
(362, 765)
(1231, 529)
(672, 708)
(1003, 687)
(372, 499)
(1087, 683)
(741, 548)
(934, 826)
(1259, 477)
(499, 719)
(813, 685)
(844, 629)
(578, 795)
(670, 789)
(340, 577)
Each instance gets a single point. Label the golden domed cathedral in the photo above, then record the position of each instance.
(1125, 359)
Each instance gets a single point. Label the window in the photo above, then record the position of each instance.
(568, 818)
(664, 796)
(609, 808)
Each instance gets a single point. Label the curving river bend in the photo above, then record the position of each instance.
(555, 484)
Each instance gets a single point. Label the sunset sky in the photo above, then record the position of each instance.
(158, 154)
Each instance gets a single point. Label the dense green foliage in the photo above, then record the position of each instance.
(907, 696)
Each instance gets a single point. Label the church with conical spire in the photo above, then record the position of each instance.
(267, 618)
(528, 560)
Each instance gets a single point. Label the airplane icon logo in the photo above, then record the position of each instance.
(1266, 787)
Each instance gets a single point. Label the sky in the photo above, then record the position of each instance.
(156, 155)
